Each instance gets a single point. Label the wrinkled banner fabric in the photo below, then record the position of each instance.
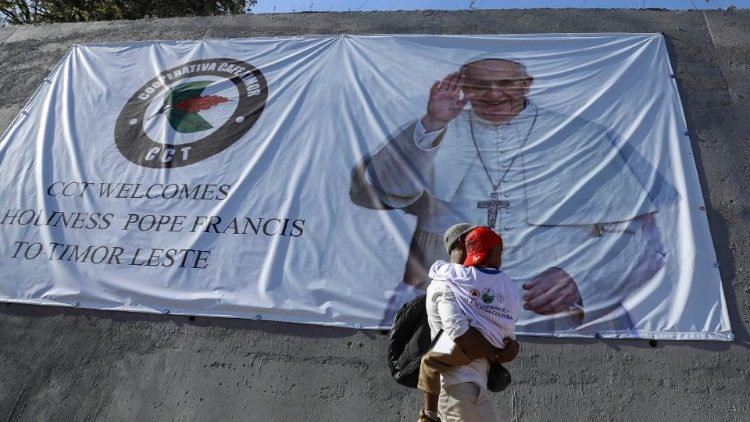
(298, 179)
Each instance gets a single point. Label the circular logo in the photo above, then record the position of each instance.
(190, 112)
(474, 293)
(488, 296)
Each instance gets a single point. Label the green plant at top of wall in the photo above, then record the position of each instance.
(17, 12)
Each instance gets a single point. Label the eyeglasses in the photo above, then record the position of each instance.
(489, 85)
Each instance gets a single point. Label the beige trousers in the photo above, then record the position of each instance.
(433, 363)
(466, 402)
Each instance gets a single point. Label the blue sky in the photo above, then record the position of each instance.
(282, 6)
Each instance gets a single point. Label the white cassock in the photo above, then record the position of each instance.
(562, 192)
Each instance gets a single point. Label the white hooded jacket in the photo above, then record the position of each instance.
(486, 296)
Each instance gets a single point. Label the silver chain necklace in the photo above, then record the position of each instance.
(494, 204)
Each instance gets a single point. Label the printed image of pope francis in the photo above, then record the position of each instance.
(576, 206)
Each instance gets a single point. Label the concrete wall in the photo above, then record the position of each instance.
(75, 364)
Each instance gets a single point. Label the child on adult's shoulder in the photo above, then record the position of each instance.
(480, 292)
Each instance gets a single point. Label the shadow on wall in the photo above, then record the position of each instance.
(717, 223)
(270, 327)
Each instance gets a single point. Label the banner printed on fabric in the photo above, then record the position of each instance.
(185, 95)
(188, 96)
(290, 179)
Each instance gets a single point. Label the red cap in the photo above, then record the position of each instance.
(478, 244)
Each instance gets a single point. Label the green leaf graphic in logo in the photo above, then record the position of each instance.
(488, 296)
(183, 104)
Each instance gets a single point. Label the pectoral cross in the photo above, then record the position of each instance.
(492, 205)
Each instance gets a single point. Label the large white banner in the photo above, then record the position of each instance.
(311, 179)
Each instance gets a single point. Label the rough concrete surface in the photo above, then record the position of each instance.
(74, 364)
